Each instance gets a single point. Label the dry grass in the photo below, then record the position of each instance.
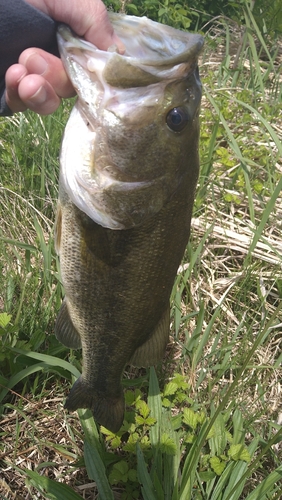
(40, 435)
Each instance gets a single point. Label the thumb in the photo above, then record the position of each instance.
(88, 18)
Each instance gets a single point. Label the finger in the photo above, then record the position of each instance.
(102, 34)
(88, 18)
(96, 28)
(38, 95)
(50, 67)
(14, 75)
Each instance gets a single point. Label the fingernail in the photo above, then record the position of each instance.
(36, 64)
(39, 97)
(118, 43)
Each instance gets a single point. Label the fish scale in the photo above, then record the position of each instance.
(120, 243)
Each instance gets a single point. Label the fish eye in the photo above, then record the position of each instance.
(177, 119)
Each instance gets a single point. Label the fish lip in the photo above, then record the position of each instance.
(154, 31)
(162, 59)
(160, 54)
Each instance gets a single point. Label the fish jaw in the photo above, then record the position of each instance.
(153, 52)
(123, 100)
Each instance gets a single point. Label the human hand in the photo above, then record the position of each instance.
(39, 81)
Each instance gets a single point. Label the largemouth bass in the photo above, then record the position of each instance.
(128, 171)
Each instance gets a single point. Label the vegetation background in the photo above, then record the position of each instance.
(207, 423)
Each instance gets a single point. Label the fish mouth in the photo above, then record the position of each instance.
(152, 51)
(154, 44)
(125, 92)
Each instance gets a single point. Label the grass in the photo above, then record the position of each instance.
(206, 424)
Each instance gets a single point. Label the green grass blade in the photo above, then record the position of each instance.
(258, 33)
(165, 467)
(254, 58)
(230, 476)
(238, 427)
(237, 471)
(265, 216)
(93, 454)
(144, 476)
(181, 280)
(44, 247)
(157, 485)
(191, 461)
(50, 488)
(207, 163)
(174, 463)
(238, 153)
(19, 244)
(204, 338)
(155, 405)
(221, 483)
(262, 490)
(96, 471)
(49, 360)
(90, 429)
(218, 441)
(15, 379)
(266, 124)
(241, 480)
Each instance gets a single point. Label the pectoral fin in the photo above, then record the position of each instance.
(152, 351)
(65, 330)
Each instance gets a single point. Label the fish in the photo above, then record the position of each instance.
(129, 165)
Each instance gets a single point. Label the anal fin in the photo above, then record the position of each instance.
(152, 351)
(65, 330)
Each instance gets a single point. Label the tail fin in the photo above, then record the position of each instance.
(108, 412)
